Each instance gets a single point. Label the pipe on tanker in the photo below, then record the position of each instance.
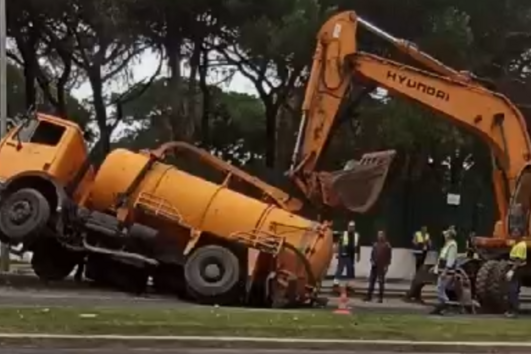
(122, 254)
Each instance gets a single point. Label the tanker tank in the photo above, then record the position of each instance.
(286, 255)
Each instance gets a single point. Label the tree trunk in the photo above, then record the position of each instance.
(192, 115)
(27, 52)
(205, 92)
(271, 111)
(29, 83)
(104, 142)
(173, 44)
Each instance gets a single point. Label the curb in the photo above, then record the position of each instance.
(271, 343)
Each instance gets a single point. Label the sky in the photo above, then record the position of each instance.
(146, 66)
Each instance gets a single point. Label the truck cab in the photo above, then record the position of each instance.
(44, 167)
(45, 147)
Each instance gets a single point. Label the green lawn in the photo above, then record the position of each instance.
(239, 322)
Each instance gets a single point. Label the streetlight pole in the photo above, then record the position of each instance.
(4, 248)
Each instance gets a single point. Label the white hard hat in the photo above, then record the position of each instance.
(351, 223)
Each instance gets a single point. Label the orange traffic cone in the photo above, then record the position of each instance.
(342, 308)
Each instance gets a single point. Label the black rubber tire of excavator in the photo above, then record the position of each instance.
(483, 284)
(498, 287)
(491, 286)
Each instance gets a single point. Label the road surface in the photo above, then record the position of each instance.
(10, 297)
(28, 291)
(14, 350)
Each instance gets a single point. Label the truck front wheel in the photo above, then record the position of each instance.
(212, 273)
(23, 213)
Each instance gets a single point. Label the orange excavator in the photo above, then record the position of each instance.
(339, 68)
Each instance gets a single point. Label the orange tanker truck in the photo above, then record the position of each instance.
(138, 217)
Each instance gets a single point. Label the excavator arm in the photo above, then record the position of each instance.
(338, 65)
(359, 184)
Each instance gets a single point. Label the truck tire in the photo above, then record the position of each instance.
(23, 213)
(211, 273)
(51, 261)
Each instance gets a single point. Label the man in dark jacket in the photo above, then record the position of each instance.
(381, 256)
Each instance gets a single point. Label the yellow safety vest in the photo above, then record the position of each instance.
(345, 238)
(519, 251)
(422, 238)
(446, 249)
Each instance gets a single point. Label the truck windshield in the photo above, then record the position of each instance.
(41, 132)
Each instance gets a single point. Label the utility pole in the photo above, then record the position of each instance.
(4, 248)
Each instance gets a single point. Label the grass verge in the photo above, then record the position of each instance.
(238, 322)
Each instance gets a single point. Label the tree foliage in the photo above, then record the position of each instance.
(202, 44)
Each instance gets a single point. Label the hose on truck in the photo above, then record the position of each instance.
(307, 267)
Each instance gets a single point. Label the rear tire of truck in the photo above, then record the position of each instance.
(212, 273)
(23, 214)
(51, 261)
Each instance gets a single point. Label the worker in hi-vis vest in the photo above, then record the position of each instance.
(348, 253)
(445, 269)
(421, 246)
(517, 259)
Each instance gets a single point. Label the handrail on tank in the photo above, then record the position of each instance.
(255, 239)
(280, 197)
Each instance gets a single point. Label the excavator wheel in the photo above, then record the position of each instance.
(470, 268)
(483, 288)
(51, 261)
(212, 273)
(498, 287)
(491, 289)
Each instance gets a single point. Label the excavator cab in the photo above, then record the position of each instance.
(358, 186)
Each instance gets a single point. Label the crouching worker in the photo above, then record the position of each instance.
(518, 258)
(445, 270)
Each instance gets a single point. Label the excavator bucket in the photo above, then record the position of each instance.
(358, 186)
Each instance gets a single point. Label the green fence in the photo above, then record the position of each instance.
(404, 207)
